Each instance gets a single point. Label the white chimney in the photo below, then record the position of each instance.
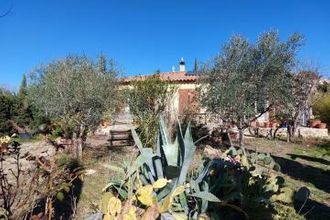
(173, 69)
(182, 65)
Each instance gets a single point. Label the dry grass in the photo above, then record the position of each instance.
(96, 159)
(304, 163)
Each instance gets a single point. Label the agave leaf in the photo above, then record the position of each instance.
(122, 191)
(150, 173)
(170, 150)
(183, 202)
(178, 190)
(137, 140)
(204, 172)
(144, 179)
(190, 148)
(205, 203)
(180, 141)
(146, 158)
(164, 132)
(206, 196)
(165, 191)
(112, 183)
(158, 166)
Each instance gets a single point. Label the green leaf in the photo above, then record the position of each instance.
(190, 148)
(206, 196)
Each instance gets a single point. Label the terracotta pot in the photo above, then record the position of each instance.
(322, 125)
(314, 123)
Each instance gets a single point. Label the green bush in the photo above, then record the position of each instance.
(147, 100)
(322, 109)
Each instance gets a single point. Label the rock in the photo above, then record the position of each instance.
(90, 172)
(96, 216)
(211, 152)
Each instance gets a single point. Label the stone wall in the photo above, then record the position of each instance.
(301, 131)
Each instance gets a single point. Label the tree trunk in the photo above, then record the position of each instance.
(79, 139)
(241, 133)
(288, 133)
(241, 137)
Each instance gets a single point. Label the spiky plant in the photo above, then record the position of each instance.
(182, 195)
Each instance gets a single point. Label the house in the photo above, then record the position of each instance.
(184, 99)
(185, 84)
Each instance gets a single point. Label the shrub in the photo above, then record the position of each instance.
(147, 101)
(322, 108)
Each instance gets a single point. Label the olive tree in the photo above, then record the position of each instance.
(75, 90)
(247, 76)
(300, 99)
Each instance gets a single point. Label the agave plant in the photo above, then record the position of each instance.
(183, 195)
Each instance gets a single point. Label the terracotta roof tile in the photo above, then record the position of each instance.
(168, 76)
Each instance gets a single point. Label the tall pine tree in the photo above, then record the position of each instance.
(22, 92)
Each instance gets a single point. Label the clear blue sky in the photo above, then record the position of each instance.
(143, 36)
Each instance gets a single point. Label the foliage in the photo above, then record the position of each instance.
(15, 199)
(60, 175)
(246, 77)
(322, 108)
(304, 85)
(232, 183)
(6, 112)
(23, 189)
(16, 112)
(74, 88)
(147, 100)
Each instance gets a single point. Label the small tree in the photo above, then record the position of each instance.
(304, 86)
(73, 88)
(22, 112)
(147, 101)
(247, 76)
(7, 100)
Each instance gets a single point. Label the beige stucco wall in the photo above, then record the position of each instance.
(173, 103)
